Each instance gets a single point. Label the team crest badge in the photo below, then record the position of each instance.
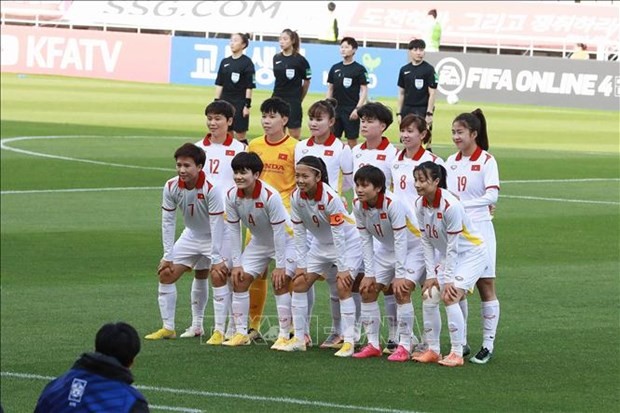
(77, 390)
(419, 83)
(234, 76)
(475, 167)
(347, 82)
(290, 73)
(230, 152)
(329, 153)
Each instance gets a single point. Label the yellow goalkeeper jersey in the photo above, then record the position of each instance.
(279, 161)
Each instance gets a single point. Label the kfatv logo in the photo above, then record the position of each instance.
(452, 76)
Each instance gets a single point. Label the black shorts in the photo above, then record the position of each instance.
(416, 110)
(240, 123)
(351, 128)
(294, 121)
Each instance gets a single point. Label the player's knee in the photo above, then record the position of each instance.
(431, 297)
(166, 276)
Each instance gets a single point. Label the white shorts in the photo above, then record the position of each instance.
(384, 270)
(193, 252)
(323, 256)
(487, 231)
(256, 258)
(467, 270)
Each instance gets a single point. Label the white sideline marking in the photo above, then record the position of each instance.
(48, 378)
(575, 201)
(4, 142)
(230, 395)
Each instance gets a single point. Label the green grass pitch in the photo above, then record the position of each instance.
(72, 260)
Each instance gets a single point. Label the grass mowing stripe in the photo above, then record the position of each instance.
(576, 201)
(286, 400)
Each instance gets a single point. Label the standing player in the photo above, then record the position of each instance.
(234, 83)
(292, 73)
(220, 148)
(378, 151)
(413, 134)
(259, 207)
(317, 208)
(463, 256)
(277, 152)
(202, 209)
(323, 144)
(339, 164)
(397, 259)
(417, 84)
(474, 178)
(347, 82)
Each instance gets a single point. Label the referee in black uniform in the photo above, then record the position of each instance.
(417, 84)
(234, 83)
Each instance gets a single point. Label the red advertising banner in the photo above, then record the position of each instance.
(86, 53)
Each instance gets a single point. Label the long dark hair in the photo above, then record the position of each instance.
(475, 121)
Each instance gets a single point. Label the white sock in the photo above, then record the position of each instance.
(310, 307)
(389, 303)
(200, 296)
(357, 299)
(230, 330)
(432, 325)
(167, 299)
(347, 309)
(490, 319)
(283, 305)
(299, 307)
(334, 303)
(371, 320)
(221, 307)
(405, 324)
(455, 325)
(240, 309)
(465, 310)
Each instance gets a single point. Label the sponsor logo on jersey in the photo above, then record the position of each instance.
(304, 151)
(475, 167)
(381, 157)
(274, 167)
(259, 205)
(453, 167)
(283, 156)
(230, 152)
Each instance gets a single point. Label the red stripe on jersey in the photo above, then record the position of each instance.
(492, 186)
(297, 222)
(216, 213)
(398, 229)
(277, 223)
(169, 210)
(456, 232)
(232, 222)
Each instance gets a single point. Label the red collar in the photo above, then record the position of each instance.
(257, 188)
(378, 204)
(384, 144)
(199, 182)
(435, 202)
(281, 141)
(329, 142)
(416, 156)
(474, 156)
(318, 194)
(227, 142)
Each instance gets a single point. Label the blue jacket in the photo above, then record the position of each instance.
(95, 383)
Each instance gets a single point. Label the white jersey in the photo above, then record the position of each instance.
(337, 157)
(202, 210)
(475, 180)
(392, 224)
(264, 215)
(402, 172)
(381, 157)
(326, 218)
(446, 227)
(219, 156)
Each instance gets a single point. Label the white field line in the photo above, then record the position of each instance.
(4, 142)
(276, 400)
